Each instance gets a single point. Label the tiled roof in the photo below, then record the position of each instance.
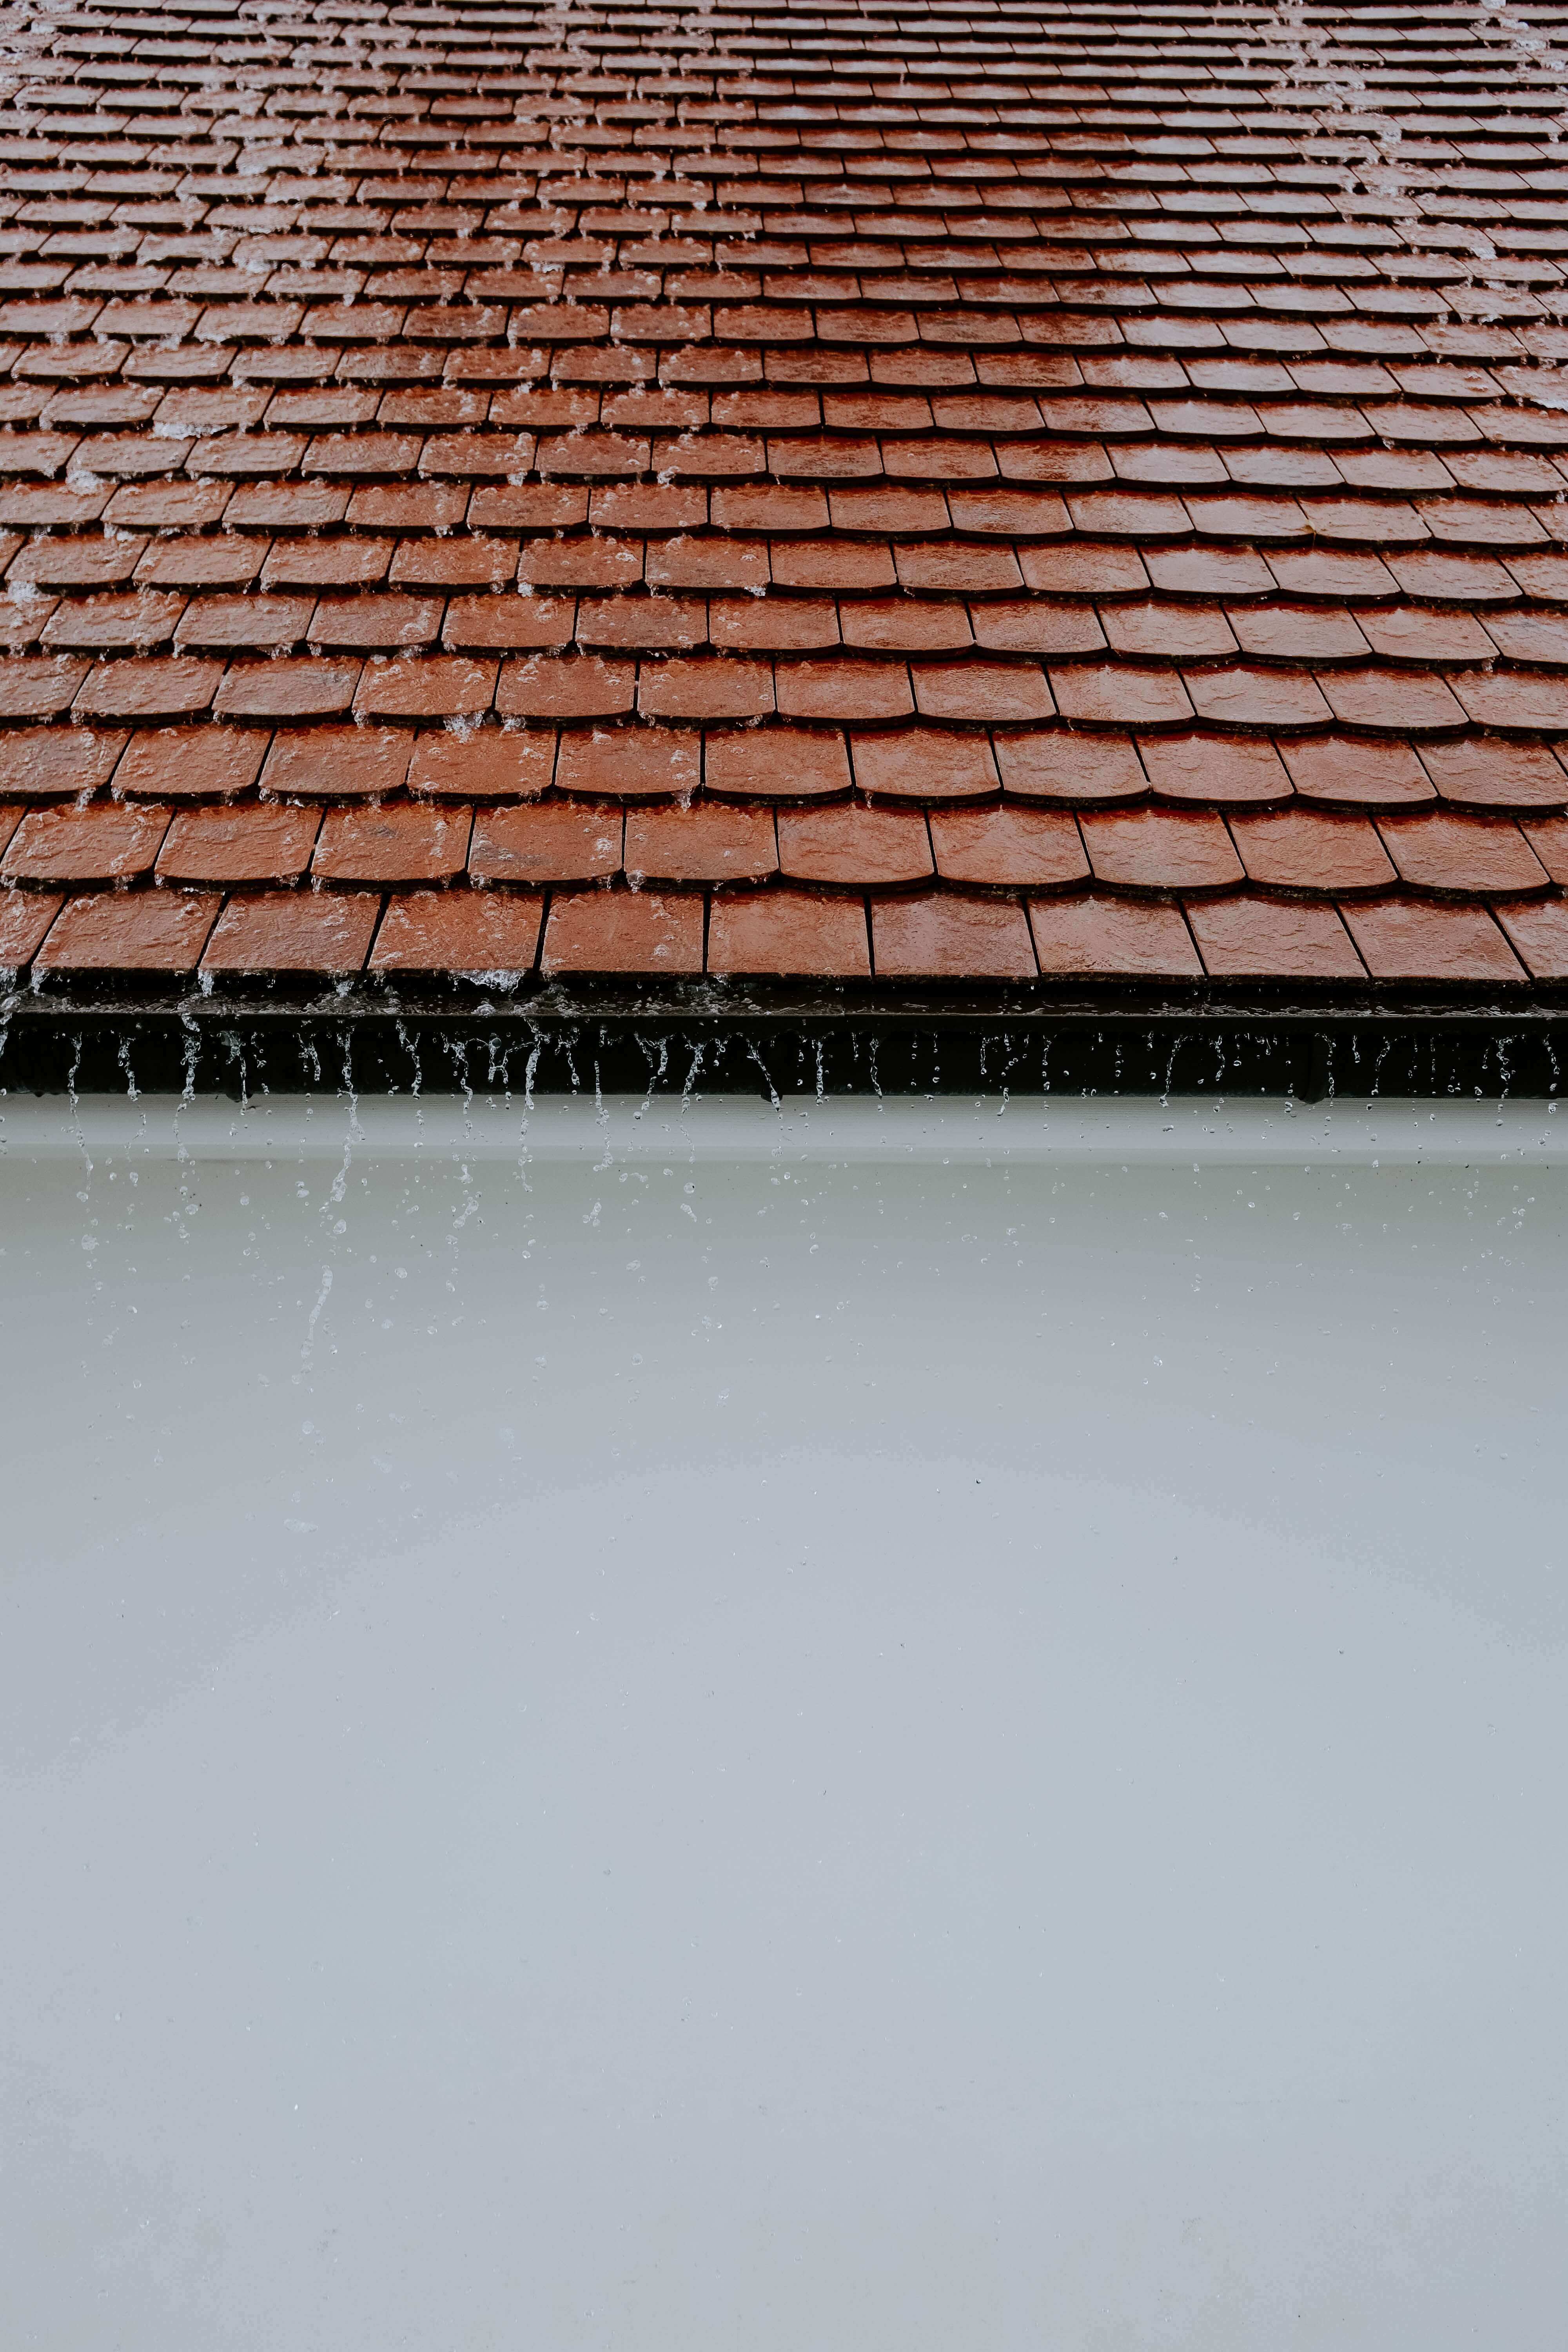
(885, 493)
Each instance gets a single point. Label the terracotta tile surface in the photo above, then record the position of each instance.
(1537, 933)
(460, 930)
(1307, 849)
(1161, 849)
(710, 842)
(190, 764)
(951, 937)
(796, 933)
(1411, 938)
(1002, 847)
(270, 843)
(303, 931)
(401, 841)
(149, 931)
(1101, 937)
(1260, 938)
(103, 842)
(557, 842)
(852, 844)
(24, 919)
(993, 494)
(624, 931)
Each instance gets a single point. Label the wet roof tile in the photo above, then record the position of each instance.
(978, 495)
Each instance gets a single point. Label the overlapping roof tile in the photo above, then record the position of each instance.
(880, 493)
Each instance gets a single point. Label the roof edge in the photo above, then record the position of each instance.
(780, 1043)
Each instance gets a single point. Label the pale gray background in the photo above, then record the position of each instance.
(721, 1755)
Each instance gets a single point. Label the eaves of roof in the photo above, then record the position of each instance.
(974, 522)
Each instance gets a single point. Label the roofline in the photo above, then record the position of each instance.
(449, 1038)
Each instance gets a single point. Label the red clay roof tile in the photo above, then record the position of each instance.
(493, 763)
(1413, 939)
(1270, 939)
(1159, 849)
(256, 842)
(704, 686)
(710, 842)
(560, 842)
(948, 937)
(848, 690)
(1101, 937)
(1548, 837)
(1462, 855)
(583, 687)
(41, 763)
(502, 623)
(799, 934)
(1007, 848)
(441, 685)
(1489, 772)
(1095, 445)
(1347, 771)
(322, 931)
(1307, 849)
(371, 624)
(1062, 766)
(896, 624)
(852, 844)
(1120, 695)
(142, 930)
(143, 691)
(403, 841)
(1537, 932)
(787, 764)
(630, 764)
(923, 764)
(337, 762)
(482, 931)
(24, 919)
(103, 842)
(624, 931)
(1223, 769)
(287, 689)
